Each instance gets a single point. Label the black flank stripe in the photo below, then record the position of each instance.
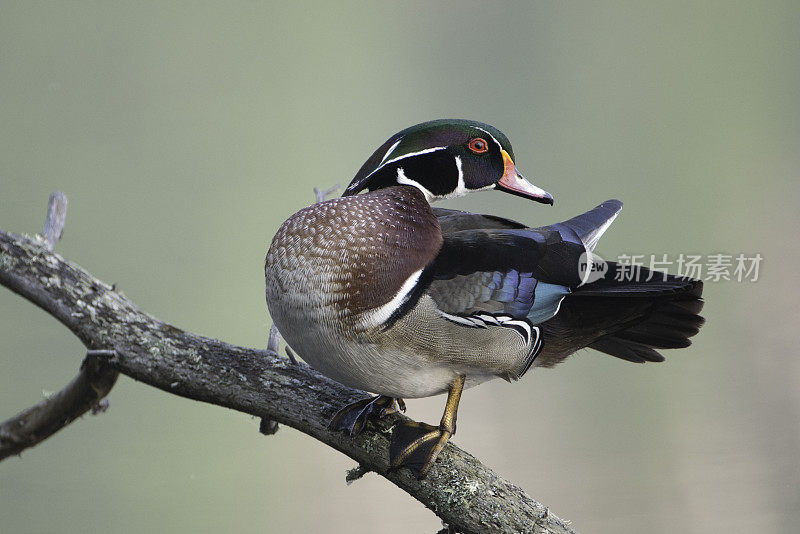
(425, 279)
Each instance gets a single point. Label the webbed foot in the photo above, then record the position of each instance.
(416, 446)
(353, 417)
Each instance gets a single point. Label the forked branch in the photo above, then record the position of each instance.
(41, 421)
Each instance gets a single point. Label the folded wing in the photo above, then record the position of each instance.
(493, 265)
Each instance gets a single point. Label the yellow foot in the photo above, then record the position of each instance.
(416, 446)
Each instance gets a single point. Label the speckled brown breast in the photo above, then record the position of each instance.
(351, 253)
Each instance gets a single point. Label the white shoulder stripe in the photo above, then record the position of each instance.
(381, 314)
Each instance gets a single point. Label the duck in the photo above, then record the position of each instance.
(383, 292)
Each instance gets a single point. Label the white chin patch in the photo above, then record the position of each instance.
(460, 190)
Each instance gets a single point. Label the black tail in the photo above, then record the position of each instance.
(631, 312)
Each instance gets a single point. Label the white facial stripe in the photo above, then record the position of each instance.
(380, 315)
(402, 179)
(461, 188)
(411, 154)
(384, 163)
(493, 138)
(391, 149)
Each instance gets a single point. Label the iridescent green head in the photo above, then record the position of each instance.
(444, 159)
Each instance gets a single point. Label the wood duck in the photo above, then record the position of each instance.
(386, 294)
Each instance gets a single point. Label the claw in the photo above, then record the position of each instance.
(416, 446)
(353, 417)
(397, 405)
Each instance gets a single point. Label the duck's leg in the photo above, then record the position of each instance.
(353, 417)
(416, 445)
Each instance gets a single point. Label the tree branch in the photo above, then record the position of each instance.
(39, 422)
(56, 218)
(463, 492)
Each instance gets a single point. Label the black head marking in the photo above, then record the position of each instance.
(443, 158)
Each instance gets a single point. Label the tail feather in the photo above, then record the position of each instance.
(627, 350)
(681, 314)
(655, 336)
(631, 318)
(587, 228)
(623, 280)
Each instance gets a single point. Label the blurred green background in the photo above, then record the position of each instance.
(184, 133)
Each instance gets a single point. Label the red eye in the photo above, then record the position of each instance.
(478, 145)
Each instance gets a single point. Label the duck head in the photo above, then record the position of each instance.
(446, 159)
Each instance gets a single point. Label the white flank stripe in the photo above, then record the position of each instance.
(478, 322)
(484, 321)
(489, 319)
(524, 325)
(457, 319)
